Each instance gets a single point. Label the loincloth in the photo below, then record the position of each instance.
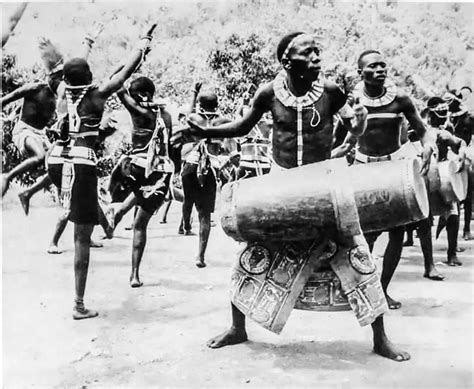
(150, 190)
(22, 131)
(270, 279)
(73, 171)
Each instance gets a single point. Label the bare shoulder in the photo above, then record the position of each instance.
(264, 96)
(403, 98)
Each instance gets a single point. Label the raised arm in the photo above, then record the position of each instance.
(19, 93)
(240, 126)
(192, 105)
(129, 103)
(8, 28)
(116, 82)
(89, 40)
(427, 138)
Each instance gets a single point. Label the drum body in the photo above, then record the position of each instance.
(294, 204)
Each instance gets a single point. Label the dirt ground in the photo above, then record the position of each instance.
(155, 336)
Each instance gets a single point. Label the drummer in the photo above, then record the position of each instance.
(302, 106)
(387, 106)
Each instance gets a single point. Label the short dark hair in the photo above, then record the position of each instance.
(208, 100)
(77, 72)
(142, 84)
(284, 42)
(365, 53)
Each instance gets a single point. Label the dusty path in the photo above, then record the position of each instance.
(155, 336)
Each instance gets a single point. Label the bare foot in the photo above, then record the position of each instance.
(83, 313)
(200, 262)
(454, 261)
(53, 249)
(25, 202)
(392, 304)
(5, 184)
(231, 336)
(386, 349)
(467, 236)
(96, 244)
(135, 282)
(433, 274)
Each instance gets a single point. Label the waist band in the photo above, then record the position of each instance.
(76, 154)
(405, 151)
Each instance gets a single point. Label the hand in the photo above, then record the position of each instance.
(149, 33)
(97, 28)
(360, 112)
(43, 42)
(196, 129)
(197, 87)
(426, 154)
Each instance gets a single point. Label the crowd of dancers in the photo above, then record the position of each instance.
(312, 119)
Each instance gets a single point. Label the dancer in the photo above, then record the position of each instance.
(147, 171)
(72, 162)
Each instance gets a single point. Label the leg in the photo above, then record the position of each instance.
(139, 241)
(190, 192)
(441, 225)
(426, 242)
(104, 223)
(383, 346)
(236, 334)
(204, 231)
(82, 238)
(468, 212)
(452, 227)
(126, 206)
(409, 231)
(36, 151)
(165, 213)
(186, 219)
(60, 227)
(25, 196)
(391, 259)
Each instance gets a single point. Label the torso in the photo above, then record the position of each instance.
(317, 134)
(90, 109)
(39, 107)
(384, 125)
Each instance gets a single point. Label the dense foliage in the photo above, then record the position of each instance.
(230, 45)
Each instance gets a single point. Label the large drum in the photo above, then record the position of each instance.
(294, 204)
(445, 185)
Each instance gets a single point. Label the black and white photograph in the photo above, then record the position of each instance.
(237, 194)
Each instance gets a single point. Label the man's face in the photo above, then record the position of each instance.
(373, 69)
(305, 58)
